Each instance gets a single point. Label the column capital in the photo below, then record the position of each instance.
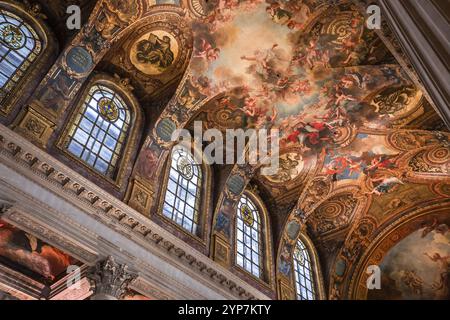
(109, 280)
(5, 206)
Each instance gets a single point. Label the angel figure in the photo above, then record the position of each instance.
(262, 60)
(435, 226)
(311, 53)
(342, 97)
(301, 86)
(413, 281)
(207, 51)
(387, 184)
(444, 266)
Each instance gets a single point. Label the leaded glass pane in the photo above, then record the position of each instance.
(248, 236)
(99, 133)
(182, 199)
(19, 48)
(303, 273)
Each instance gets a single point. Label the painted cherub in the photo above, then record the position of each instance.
(311, 53)
(207, 51)
(300, 86)
(262, 59)
(351, 80)
(341, 98)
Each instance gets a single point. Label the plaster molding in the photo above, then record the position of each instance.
(34, 164)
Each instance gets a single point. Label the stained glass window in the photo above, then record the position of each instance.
(248, 235)
(19, 47)
(100, 128)
(303, 273)
(182, 199)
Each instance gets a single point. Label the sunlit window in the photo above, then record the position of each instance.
(19, 47)
(303, 273)
(182, 199)
(98, 134)
(248, 235)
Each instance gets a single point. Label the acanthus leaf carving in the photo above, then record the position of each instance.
(109, 278)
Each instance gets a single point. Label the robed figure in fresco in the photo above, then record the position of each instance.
(155, 51)
(30, 252)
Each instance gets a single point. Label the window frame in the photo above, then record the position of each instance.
(178, 196)
(259, 231)
(32, 76)
(130, 141)
(203, 229)
(267, 265)
(102, 127)
(27, 60)
(315, 268)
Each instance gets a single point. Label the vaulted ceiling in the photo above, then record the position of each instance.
(343, 105)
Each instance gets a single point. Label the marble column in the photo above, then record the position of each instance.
(422, 29)
(109, 280)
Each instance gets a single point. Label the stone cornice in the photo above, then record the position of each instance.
(43, 169)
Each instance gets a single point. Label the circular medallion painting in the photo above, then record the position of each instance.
(154, 52)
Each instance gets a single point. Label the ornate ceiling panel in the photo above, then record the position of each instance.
(154, 55)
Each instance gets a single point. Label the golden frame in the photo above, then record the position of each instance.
(131, 140)
(222, 258)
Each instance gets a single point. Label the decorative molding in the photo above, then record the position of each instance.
(27, 159)
(35, 126)
(221, 251)
(5, 206)
(146, 289)
(140, 197)
(19, 285)
(7, 296)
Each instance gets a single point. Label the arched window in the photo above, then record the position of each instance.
(304, 276)
(97, 136)
(19, 47)
(249, 237)
(182, 200)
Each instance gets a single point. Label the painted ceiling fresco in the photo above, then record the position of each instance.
(312, 70)
(337, 95)
(417, 266)
(304, 82)
(25, 253)
(360, 143)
